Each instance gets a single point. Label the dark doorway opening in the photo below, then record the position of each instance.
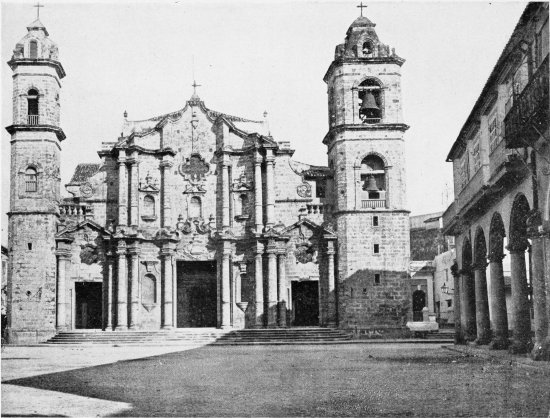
(419, 302)
(88, 310)
(196, 294)
(305, 303)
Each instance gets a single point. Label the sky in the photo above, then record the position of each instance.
(256, 56)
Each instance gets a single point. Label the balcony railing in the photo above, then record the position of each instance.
(373, 204)
(75, 210)
(528, 117)
(32, 120)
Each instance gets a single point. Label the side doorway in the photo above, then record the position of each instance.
(88, 311)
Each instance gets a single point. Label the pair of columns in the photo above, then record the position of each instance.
(128, 197)
(276, 287)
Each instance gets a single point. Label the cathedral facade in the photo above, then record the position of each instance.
(197, 218)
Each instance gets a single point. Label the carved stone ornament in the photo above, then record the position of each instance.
(86, 190)
(194, 225)
(305, 254)
(194, 168)
(304, 190)
(88, 254)
(149, 184)
(241, 184)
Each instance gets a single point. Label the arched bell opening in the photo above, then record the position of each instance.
(370, 106)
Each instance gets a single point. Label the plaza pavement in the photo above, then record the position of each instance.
(334, 380)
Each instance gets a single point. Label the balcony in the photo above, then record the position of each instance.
(528, 117)
(373, 204)
(32, 120)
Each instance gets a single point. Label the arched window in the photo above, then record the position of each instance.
(32, 107)
(368, 48)
(195, 207)
(149, 206)
(31, 180)
(371, 106)
(33, 50)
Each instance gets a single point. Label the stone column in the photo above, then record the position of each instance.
(457, 307)
(63, 256)
(498, 303)
(270, 189)
(281, 290)
(133, 251)
(468, 307)
(386, 185)
(122, 189)
(225, 194)
(134, 185)
(166, 254)
(483, 324)
(258, 194)
(259, 284)
(331, 290)
(174, 292)
(539, 295)
(122, 289)
(520, 302)
(271, 285)
(226, 286)
(109, 292)
(165, 177)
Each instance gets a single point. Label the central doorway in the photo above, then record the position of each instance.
(88, 312)
(305, 303)
(196, 294)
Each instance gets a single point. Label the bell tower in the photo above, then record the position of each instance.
(35, 187)
(366, 153)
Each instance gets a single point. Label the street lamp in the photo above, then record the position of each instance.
(445, 289)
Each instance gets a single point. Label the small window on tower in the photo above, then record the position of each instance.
(32, 107)
(375, 220)
(33, 50)
(377, 278)
(31, 180)
(376, 248)
(321, 186)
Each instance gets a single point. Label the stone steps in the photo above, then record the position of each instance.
(283, 336)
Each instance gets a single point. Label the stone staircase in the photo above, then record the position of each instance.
(202, 336)
(181, 336)
(283, 336)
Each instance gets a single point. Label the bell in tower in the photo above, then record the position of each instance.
(369, 111)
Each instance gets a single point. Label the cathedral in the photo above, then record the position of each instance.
(198, 218)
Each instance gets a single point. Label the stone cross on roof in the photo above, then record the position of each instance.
(362, 6)
(38, 6)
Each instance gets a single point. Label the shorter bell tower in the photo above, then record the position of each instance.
(35, 187)
(366, 151)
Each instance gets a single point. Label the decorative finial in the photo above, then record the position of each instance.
(265, 113)
(125, 114)
(38, 6)
(362, 6)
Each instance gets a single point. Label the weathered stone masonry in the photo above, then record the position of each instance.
(199, 218)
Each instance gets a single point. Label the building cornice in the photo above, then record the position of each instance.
(15, 62)
(354, 60)
(37, 128)
(401, 127)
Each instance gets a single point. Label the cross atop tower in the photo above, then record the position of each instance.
(195, 85)
(362, 6)
(38, 6)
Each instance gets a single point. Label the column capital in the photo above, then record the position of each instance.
(479, 265)
(134, 250)
(63, 254)
(166, 164)
(282, 253)
(517, 247)
(121, 248)
(121, 161)
(495, 257)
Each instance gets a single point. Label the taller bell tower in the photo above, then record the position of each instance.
(35, 186)
(366, 153)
